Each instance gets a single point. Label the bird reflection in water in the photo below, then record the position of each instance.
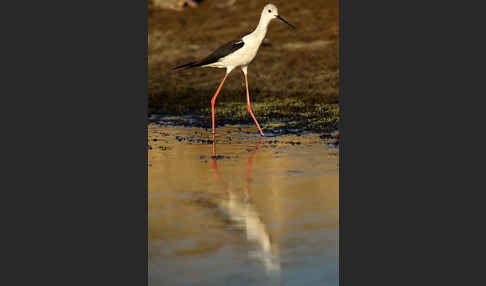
(240, 211)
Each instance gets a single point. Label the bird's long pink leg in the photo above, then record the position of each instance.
(248, 104)
(213, 100)
(214, 146)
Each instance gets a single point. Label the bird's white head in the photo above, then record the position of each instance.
(270, 12)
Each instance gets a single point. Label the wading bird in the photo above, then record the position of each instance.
(239, 53)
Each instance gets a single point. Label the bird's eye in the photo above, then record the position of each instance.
(269, 11)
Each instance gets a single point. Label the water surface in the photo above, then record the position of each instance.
(241, 210)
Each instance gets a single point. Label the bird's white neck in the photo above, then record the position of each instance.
(261, 30)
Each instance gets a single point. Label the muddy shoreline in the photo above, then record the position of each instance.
(272, 130)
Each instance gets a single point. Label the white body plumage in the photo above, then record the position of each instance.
(243, 56)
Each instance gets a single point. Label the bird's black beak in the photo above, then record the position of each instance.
(285, 21)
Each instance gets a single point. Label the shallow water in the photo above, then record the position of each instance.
(245, 210)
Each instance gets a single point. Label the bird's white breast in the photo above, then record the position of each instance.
(245, 54)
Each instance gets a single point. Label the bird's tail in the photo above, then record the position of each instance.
(187, 66)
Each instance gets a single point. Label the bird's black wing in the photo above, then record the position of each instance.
(222, 52)
(219, 53)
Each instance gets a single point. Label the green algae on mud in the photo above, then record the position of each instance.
(303, 112)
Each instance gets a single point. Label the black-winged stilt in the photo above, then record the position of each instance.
(239, 53)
